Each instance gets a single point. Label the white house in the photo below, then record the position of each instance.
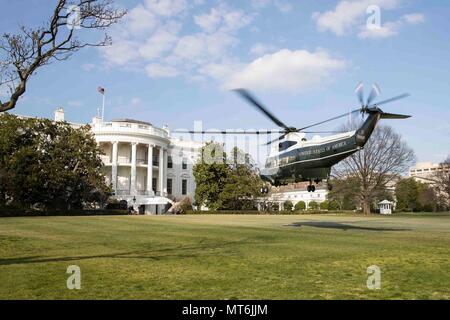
(145, 165)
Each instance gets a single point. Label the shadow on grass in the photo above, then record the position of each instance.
(341, 226)
(154, 254)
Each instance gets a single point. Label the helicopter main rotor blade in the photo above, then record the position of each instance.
(402, 96)
(360, 93)
(247, 96)
(328, 120)
(259, 132)
(323, 132)
(375, 92)
(276, 140)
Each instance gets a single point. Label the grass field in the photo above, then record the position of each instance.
(226, 257)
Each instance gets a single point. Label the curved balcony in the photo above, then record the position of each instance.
(129, 128)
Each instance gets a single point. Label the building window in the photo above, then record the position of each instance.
(169, 186)
(169, 162)
(184, 165)
(154, 184)
(184, 187)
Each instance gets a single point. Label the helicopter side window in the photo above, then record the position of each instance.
(286, 145)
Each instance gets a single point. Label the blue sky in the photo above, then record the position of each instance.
(174, 61)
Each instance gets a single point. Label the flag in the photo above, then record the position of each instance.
(101, 90)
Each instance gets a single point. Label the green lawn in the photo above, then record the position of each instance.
(226, 257)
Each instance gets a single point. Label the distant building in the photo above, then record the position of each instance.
(295, 193)
(424, 171)
(386, 207)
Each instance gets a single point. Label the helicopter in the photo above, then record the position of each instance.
(296, 159)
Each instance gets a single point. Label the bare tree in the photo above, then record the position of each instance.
(22, 54)
(384, 158)
(441, 181)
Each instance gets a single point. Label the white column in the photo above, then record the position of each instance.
(161, 171)
(150, 170)
(133, 167)
(114, 165)
(165, 170)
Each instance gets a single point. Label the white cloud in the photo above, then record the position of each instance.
(121, 53)
(390, 29)
(159, 43)
(162, 46)
(288, 70)
(174, 43)
(347, 14)
(159, 71)
(209, 21)
(140, 19)
(222, 19)
(283, 6)
(414, 18)
(387, 30)
(260, 49)
(166, 8)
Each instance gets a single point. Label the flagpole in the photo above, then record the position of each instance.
(103, 107)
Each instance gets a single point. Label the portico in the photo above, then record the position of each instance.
(135, 159)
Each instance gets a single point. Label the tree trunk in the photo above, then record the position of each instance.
(366, 206)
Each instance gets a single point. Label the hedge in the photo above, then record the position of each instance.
(75, 213)
(255, 212)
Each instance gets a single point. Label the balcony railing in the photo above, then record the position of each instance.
(106, 159)
(141, 161)
(123, 160)
(128, 192)
(132, 128)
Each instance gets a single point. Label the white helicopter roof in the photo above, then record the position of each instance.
(302, 142)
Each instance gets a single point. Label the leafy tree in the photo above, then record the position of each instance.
(407, 194)
(23, 53)
(344, 193)
(333, 205)
(241, 187)
(300, 206)
(313, 205)
(226, 183)
(210, 176)
(288, 205)
(49, 165)
(275, 207)
(325, 205)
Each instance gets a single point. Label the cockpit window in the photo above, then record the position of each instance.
(286, 145)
